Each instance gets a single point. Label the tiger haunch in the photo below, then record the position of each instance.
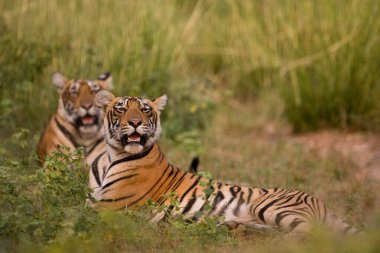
(77, 122)
(133, 170)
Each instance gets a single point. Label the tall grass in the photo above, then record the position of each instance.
(139, 42)
(322, 57)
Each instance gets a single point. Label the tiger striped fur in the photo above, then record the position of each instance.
(77, 122)
(134, 170)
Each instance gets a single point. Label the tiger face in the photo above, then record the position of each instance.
(76, 102)
(131, 124)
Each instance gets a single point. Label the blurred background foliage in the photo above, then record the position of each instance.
(320, 58)
(323, 57)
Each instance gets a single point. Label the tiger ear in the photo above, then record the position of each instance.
(106, 80)
(160, 102)
(103, 98)
(59, 80)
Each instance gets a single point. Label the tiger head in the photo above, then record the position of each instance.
(131, 124)
(76, 102)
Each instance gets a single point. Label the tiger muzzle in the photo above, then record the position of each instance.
(134, 138)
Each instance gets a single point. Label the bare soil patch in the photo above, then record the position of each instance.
(363, 149)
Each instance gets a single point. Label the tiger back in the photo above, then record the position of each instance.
(77, 121)
(134, 170)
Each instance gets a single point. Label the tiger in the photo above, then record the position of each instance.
(133, 171)
(77, 121)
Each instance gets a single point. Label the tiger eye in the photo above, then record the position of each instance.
(146, 110)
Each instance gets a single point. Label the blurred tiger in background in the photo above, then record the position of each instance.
(134, 170)
(77, 122)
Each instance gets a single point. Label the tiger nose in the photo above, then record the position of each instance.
(135, 122)
(86, 105)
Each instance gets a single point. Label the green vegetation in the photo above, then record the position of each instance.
(231, 69)
(46, 206)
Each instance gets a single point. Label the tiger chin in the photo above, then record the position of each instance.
(134, 170)
(77, 121)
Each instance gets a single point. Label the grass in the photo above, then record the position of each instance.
(240, 76)
(323, 57)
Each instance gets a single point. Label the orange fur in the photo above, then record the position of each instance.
(129, 177)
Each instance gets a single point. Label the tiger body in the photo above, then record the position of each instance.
(131, 172)
(77, 122)
(59, 133)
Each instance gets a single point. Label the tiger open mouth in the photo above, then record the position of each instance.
(134, 138)
(87, 120)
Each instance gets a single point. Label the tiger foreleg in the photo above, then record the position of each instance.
(158, 217)
(91, 202)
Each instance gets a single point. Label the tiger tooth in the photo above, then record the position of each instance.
(134, 138)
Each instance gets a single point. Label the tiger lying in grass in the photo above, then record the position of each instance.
(77, 122)
(134, 170)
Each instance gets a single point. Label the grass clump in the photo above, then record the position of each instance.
(322, 57)
(35, 201)
(335, 82)
(23, 64)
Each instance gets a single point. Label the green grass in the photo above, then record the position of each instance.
(233, 70)
(323, 57)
